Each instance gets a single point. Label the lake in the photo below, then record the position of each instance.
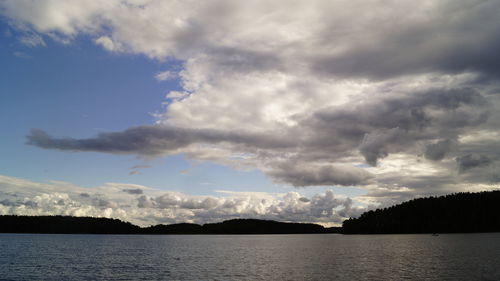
(250, 257)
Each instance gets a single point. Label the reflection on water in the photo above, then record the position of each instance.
(250, 257)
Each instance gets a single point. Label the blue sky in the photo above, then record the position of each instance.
(80, 90)
(217, 110)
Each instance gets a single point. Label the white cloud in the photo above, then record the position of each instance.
(165, 75)
(64, 17)
(145, 206)
(106, 43)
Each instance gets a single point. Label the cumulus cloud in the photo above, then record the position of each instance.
(306, 91)
(146, 206)
(106, 43)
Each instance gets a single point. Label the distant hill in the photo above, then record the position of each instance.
(252, 226)
(65, 224)
(178, 228)
(239, 226)
(459, 212)
(88, 225)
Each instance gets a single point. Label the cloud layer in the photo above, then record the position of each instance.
(147, 206)
(399, 97)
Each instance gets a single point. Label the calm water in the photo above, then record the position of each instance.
(250, 257)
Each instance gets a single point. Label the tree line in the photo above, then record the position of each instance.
(455, 213)
(91, 225)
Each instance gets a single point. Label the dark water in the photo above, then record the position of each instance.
(250, 257)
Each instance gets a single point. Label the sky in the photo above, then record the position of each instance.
(199, 111)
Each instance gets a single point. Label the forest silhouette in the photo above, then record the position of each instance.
(454, 213)
(89, 225)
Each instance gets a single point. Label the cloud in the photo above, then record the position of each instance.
(22, 55)
(438, 150)
(106, 43)
(303, 174)
(423, 42)
(321, 142)
(136, 170)
(32, 40)
(165, 75)
(176, 96)
(321, 36)
(146, 206)
(133, 191)
(305, 91)
(153, 140)
(308, 148)
(140, 167)
(471, 161)
(374, 145)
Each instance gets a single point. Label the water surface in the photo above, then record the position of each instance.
(250, 257)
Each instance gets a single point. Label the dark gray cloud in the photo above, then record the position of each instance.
(394, 124)
(145, 202)
(438, 150)
(154, 140)
(453, 37)
(148, 140)
(8, 202)
(360, 124)
(133, 191)
(304, 174)
(375, 145)
(409, 112)
(471, 161)
(373, 129)
(97, 201)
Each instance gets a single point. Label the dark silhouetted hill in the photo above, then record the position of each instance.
(253, 226)
(178, 228)
(455, 213)
(65, 224)
(88, 225)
